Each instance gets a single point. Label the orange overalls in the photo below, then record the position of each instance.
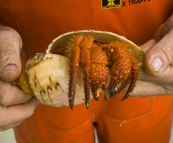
(135, 120)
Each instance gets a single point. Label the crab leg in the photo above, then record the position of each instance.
(133, 78)
(74, 57)
(121, 67)
(85, 46)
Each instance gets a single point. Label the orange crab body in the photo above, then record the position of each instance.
(109, 67)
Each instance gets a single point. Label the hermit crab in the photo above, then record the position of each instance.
(78, 65)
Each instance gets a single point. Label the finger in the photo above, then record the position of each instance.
(168, 26)
(9, 126)
(158, 59)
(10, 46)
(16, 114)
(158, 34)
(150, 86)
(148, 45)
(12, 95)
(144, 88)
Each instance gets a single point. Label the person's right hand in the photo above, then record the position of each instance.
(15, 106)
(157, 77)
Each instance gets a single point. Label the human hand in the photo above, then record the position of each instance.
(157, 78)
(15, 106)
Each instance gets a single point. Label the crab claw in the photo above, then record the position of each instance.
(99, 72)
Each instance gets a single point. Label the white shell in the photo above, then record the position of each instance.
(49, 81)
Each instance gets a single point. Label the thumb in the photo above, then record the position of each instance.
(10, 46)
(159, 58)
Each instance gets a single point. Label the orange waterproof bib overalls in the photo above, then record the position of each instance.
(136, 120)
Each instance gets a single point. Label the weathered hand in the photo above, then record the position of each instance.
(15, 106)
(158, 75)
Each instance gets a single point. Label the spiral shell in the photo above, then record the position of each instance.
(46, 75)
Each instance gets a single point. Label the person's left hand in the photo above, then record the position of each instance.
(157, 78)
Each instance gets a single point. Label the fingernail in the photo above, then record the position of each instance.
(157, 64)
(9, 67)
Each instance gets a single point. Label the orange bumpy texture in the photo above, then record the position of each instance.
(109, 67)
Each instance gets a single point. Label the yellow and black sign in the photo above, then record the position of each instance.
(110, 4)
